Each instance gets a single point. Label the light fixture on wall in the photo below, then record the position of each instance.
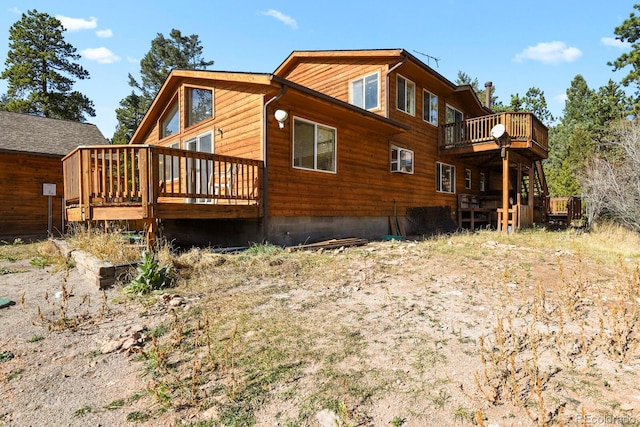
(281, 116)
(502, 138)
(220, 132)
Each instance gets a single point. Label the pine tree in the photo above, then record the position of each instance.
(176, 51)
(40, 70)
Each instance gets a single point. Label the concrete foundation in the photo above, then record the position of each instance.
(287, 231)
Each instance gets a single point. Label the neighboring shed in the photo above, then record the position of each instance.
(31, 149)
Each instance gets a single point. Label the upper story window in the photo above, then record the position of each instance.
(406, 95)
(170, 123)
(445, 178)
(365, 92)
(429, 107)
(454, 115)
(401, 160)
(314, 146)
(200, 105)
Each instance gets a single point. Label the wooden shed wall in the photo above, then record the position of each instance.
(237, 111)
(23, 208)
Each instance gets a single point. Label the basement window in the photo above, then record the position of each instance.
(445, 178)
(401, 160)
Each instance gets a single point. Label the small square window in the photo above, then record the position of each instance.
(401, 160)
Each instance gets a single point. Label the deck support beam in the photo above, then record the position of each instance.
(505, 190)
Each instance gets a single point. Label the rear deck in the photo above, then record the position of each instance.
(144, 182)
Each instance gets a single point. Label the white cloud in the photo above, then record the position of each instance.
(549, 53)
(612, 42)
(287, 20)
(15, 10)
(104, 34)
(76, 24)
(100, 54)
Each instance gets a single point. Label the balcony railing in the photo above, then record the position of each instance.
(523, 127)
(148, 176)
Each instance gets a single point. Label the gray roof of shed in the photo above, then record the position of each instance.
(33, 134)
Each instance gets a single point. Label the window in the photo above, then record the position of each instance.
(406, 95)
(482, 182)
(445, 178)
(314, 146)
(364, 92)
(467, 179)
(200, 105)
(170, 164)
(401, 160)
(454, 133)
(170, 123)
(201, 169)
(430, 108)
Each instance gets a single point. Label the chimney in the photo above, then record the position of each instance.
(487, 94)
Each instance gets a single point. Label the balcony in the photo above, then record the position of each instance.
(528, 135)
(140, 182)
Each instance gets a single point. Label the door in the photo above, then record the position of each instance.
(198, 170)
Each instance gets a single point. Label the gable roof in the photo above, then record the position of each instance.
(466, 92)
(41, 135)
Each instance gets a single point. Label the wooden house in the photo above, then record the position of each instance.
(31, 149)
(333, 143)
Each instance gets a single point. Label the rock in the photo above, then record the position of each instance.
(211, 413)
(176, 301)
(111, 346)
(327, 418)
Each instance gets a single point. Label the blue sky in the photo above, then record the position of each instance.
(514, 44)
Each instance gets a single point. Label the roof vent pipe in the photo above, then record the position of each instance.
(487, 94)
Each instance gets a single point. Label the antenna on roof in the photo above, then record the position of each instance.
(428, 57)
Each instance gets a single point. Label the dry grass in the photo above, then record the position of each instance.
(536, 328)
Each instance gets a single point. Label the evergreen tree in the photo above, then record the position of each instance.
(176, 51)
(40, 70)
(533, 102)
(629, 31)
(465, 79)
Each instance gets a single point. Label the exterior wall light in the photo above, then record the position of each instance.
(281, 117)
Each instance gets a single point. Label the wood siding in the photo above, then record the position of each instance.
(23, 208)
(237, 111)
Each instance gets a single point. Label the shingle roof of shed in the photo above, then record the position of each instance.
(33, 134)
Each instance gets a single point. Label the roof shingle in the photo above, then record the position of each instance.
(33, 134)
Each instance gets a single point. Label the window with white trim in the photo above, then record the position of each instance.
(314, 146)
(454, 133)
(401, 160)
(483, 181)
(364, 92)
(445, 178)
(170, 164)
(429, 107)
(467, 178)
(405, 95)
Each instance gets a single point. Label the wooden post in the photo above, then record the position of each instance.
(505, 191)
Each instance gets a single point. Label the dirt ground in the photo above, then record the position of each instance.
(479, 331)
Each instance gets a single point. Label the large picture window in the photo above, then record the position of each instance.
(401, 160)
(200, 105)
(364, 92)
(430, 108)
(170, 123)
(445, 178)
(314, 146)
(406, 95)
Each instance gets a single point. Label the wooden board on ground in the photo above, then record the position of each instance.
(330, 244)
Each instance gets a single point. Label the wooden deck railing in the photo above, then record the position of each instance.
(141, 175)
(564, 208)
(520, 126)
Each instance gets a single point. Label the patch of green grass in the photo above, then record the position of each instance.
(14, 374)
(41, 261)
(397, 422)
(35, 338)
(116, 404)
(6, 356)
(81, 412)
(138, 416)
